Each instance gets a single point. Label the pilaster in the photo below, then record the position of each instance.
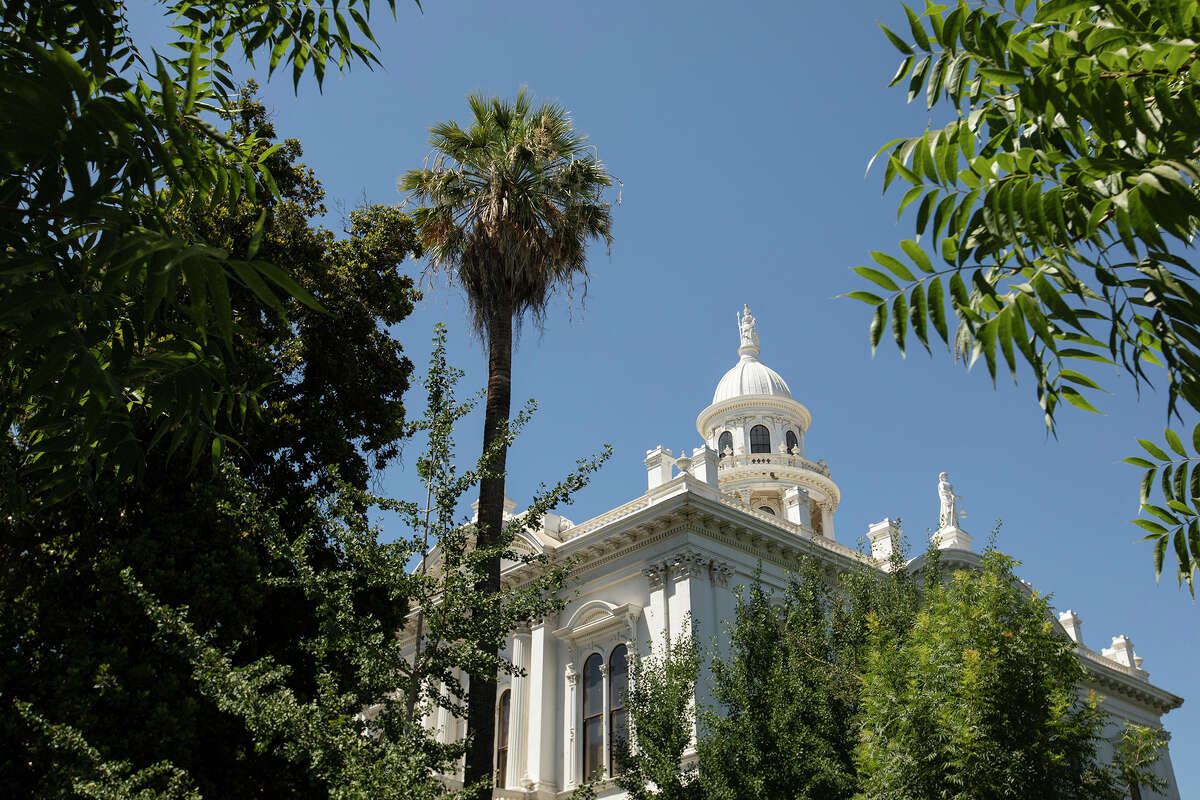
(518, 725)
(539, 771)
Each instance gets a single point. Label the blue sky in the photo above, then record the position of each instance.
(741, 133)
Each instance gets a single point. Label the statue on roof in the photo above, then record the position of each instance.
(747, 327)
(948, 516)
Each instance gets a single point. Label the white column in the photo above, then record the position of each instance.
(684, 568)
(657, 620)
(570, 723)
(443, 718)
(539, 769)
(518, 718)
(827, 519)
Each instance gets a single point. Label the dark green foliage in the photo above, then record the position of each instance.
(1055, 211)
(112, 318)
(79, 648)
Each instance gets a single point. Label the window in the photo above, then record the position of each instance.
(760, 439)
(593, 717)
(817, 520)
(605, 718)
(792, 441)
(502, 715)
(767, 510)
(724, 442)
(618, 685)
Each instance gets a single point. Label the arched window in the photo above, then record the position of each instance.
(792, 441)
(618, 686)
(767, 510)
(502, 713)
(817, 520)
(724, 442)
(760, 439)
(593, 717)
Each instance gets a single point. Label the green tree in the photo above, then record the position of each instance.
(782, 726)
(662, 716)
(784, 723)
(979, 700)
(112, 318)
(77, 646)
(1061, 201)
(512, 203)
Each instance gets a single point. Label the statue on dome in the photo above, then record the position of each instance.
(948, 516)
(747, 326)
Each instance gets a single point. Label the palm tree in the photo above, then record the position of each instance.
(510, 206)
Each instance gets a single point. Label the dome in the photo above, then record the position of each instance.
(750, 376)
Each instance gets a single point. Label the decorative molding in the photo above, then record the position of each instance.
(656, 575)
(688, 564)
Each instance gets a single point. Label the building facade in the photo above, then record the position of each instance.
(749, 500)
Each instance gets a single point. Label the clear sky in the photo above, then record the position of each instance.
(741, 133)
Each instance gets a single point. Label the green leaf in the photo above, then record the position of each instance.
(1161, 513)
(895, 265)
(866, 297)
(1154, 450)
(896, 41)
(1160, 549)
(1174, 442)
(256, 235)
(1181, 552)
(937, 309)
(1138, 461)
(878, 320)
(918, 314)
(918, 30)
(1076, 399)
(900, 320)
(1150, 526)
(878, 278)
(1147, 486)
(914, 251)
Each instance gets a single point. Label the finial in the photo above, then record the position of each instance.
(748, 331)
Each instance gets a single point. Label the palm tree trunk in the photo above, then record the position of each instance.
(481, 696)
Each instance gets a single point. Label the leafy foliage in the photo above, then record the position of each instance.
(511, 205)
(785, 697)
(661, 696)
(1174, 476)
(979, 700)
(80, 649)
(1056, 204)
(111, 317)
(900, 685)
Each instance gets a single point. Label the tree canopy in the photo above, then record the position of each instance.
(112, 317)
(1056, 210)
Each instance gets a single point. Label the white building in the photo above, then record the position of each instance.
(750, 497)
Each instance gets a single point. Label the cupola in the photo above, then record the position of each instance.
(757, 429)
